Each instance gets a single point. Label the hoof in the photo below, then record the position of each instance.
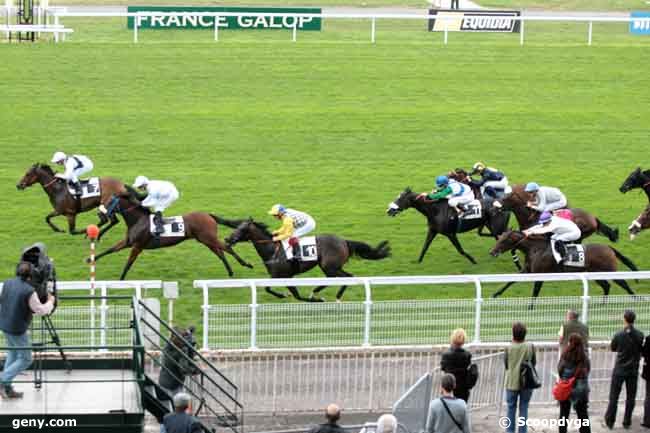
(313, 298)
(338, 301)
(248, 265)
(87, 260)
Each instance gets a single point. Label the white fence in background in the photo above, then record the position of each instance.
(371, 17)
(411, 322)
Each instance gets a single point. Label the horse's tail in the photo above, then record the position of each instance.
(365, 251)
(229, 223)
(605, 230)
(627, 262)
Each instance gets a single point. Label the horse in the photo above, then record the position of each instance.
(637, 179)
(333, 253)
(539, 259)
(201, 226)
(641, 223)
(517, 202)
(65, 203)
(442, 219)
(462, 176)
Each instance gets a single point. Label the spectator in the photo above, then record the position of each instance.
(175, 364)
(572, 325)
(332, 414)
(386, 424)
(518, 352)
(456, 360)
(646, 375)
(628, 343)
(574, 362)
(454, 4)
(181, 421)
(448, 414)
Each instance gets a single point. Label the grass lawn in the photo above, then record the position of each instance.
(332, 125)
(568, 5)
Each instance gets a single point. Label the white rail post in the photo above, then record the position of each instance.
(294, 31)
(93, 311)
(521, 31)
(368, 311)
(136, 21)
(216, 27)
(585, 299)
(102, 316)
(477, 314)
(253, 306)
(591, 26)
(373, 26)
(206, 308)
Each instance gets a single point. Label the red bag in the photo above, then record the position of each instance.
(562, 389)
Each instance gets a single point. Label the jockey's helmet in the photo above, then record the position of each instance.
(442, 181)
(58, 157)
(531, 187)
(545, 217)
(277, 209)
(479, 167)
(140, 182)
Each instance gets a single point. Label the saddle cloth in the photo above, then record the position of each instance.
(564, 213)
(575, 255)
(173, 226)
(308, 249)
(89, 188)
(473, 210)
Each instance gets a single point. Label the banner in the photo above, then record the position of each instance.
(640, 27)
(241, 22)
(474, 21)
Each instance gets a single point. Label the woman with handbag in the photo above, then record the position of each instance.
(520, 366)
(457, 361)
(573, 371)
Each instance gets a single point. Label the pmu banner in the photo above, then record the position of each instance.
(230, 22)
(474, 21)
(640, 27)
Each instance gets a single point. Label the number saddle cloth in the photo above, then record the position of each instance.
(89, 188)
(308, 252)
(173, 226)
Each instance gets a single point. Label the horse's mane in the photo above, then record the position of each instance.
(646, 172)
(45, 167)
(262, 227)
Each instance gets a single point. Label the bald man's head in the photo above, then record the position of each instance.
(333, 413)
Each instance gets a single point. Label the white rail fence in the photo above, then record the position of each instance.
(411, 322)
(58, 14)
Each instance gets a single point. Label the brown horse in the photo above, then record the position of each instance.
(527, 217)
(462, 176)
(65, 203)
(201, 226)
(539, 259)
(641, 223)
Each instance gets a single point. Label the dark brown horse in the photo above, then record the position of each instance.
(201, 226)
(462, 176)
(539, 259)
(333, 254)
(527, 217)
(637, 179)
(641, 223)
(65, 203)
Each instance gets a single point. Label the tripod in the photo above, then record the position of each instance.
(48, 326)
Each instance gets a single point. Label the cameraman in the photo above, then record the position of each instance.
(18, 302)
(175, 365)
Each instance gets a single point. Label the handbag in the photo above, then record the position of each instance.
(528, 377)
(472, 376)
(459, 425)
(563, 387)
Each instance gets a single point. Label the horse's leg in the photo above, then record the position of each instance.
(515, 259)
(72, 224)
(274, 293)
(296, 294)
(431, 234)
(115, 248)
(219, 252)
(48, 220)
(241, 261)
(135, 252)
(625, 286)
(339, 294)
(537, 287)
(454, 240)
(503, 289)
(605, 285)
(113, 221)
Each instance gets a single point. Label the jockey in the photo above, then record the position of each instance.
(563, 231)
(545, 198)
(294, 225)
(160, 195)
(493, 182)
(457, 194)
(75, 166)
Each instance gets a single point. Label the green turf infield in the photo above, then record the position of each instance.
(332, 125)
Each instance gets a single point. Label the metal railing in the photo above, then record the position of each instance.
(408, 322)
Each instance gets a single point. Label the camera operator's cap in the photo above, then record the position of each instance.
(58, 156)
(140, 181)
(38, 247)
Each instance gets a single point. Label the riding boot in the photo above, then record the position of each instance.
(560, 248)
(77, 188)
(295, 248)
(158, 221)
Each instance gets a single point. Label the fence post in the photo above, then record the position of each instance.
(521, 31)
(136, 21)
(253, 306)
(585, 299)
(368, 311)
(294, 31)
(102, 316)
(477, 316)
(372, 30)
(206, 307)
(590, 32)
(93, 311)
(216, 27)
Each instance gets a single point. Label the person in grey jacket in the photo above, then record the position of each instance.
(176, 365)
(448, 414)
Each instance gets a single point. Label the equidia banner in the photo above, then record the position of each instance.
(640, 27)
(230, 22)
(474, 21)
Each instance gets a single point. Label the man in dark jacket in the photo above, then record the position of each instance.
(628, 344)
(573, 325)
(18, 302)
(332, 414)
(181, 421)
(646, 375)
(176, 364)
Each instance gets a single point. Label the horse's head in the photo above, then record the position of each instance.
(33, 175)
(459, 175)
(247, 230)
(518, 198)
(641, 223)
(636, 179)
(507, 241)
(403, 201)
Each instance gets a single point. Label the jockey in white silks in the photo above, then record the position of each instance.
(545, 198)
(75, 166)
(160, 195)
(563, 230)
